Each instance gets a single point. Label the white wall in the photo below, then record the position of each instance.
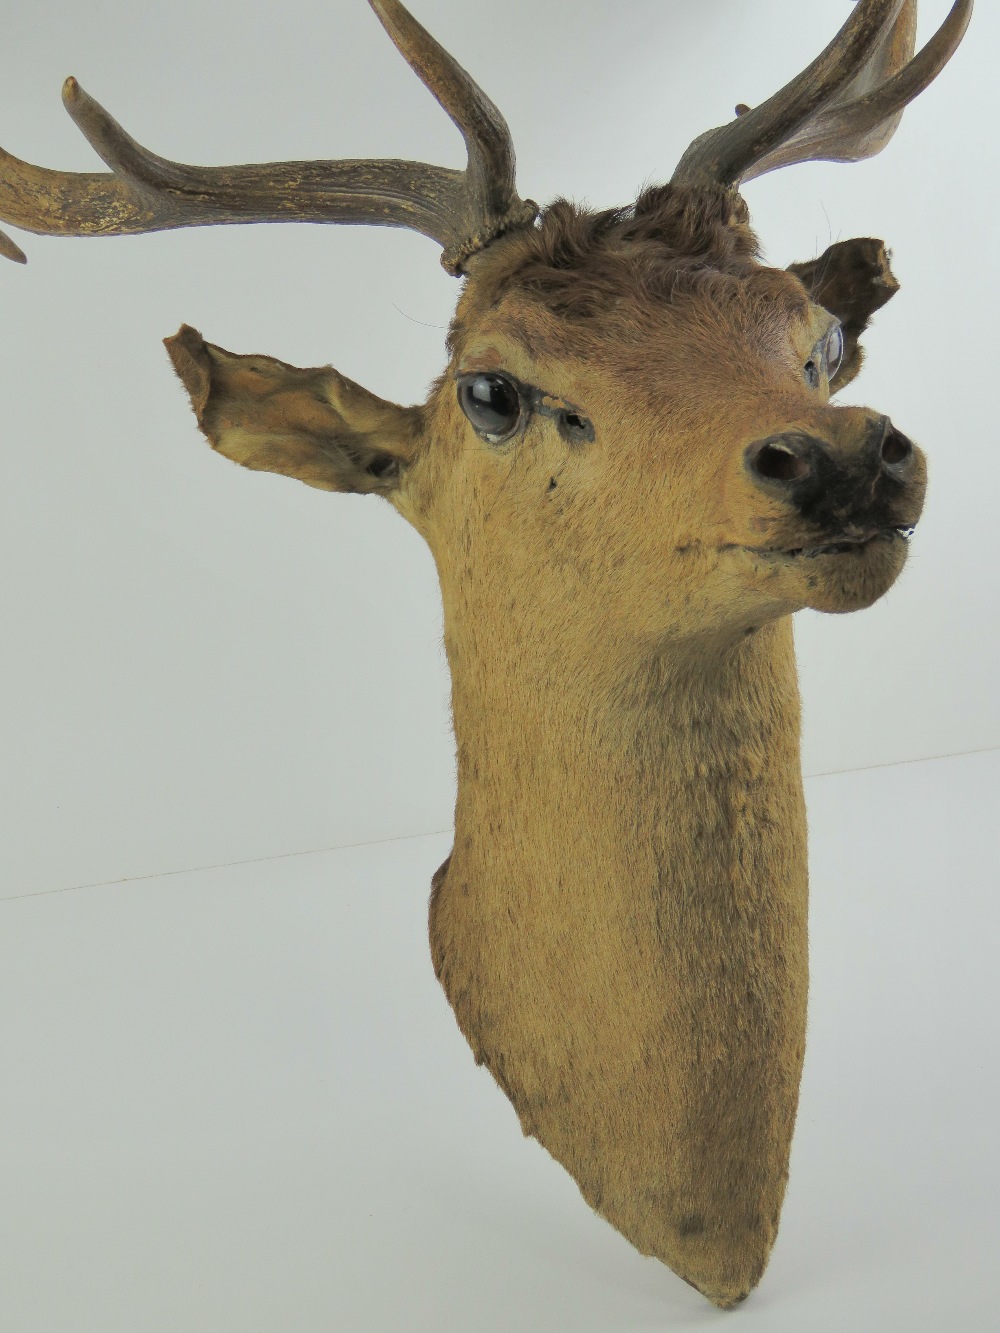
(201, 665)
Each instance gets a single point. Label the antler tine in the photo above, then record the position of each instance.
(839, 106)
(128, 160)
(462, 211)
(11, 251)
(725, 155)
(862, 127)
(491, 197)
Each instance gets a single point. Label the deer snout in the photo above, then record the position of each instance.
(873, 479)
(794, 456)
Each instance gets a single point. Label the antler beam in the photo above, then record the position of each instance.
(843, 107)
(461, 210)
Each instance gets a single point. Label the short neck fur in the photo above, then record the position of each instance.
(621, 925)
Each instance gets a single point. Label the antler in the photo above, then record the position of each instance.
(844, 107)
(461, 210)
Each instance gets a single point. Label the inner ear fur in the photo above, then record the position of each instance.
(315, 425)
(852, 280)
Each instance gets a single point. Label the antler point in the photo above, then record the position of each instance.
(10, 250)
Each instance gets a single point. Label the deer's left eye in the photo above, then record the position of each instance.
(834, 350)
(492, 403)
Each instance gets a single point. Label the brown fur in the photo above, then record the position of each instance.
(852, 280)
(580, 263)
(621, 926)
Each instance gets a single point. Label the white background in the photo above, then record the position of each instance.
(201, 665)
(234, 1100)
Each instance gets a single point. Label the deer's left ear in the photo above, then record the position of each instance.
(315, 425)
(852, 280)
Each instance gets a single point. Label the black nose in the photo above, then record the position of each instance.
(796, 462)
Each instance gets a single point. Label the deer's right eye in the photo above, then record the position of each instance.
(492, 403)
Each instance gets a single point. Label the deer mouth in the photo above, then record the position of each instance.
(842, 545)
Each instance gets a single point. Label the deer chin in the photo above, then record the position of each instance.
(846, 574)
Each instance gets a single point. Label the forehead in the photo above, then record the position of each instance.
(702, 313)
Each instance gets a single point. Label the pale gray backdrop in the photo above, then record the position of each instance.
(201, 665)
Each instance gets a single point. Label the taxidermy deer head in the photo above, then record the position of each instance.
(630, 476)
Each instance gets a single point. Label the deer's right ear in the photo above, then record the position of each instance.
(315, 425)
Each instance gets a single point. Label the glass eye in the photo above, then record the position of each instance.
(834, 351)
(492, 403)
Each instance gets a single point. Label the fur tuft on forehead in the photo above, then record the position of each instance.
(580, 264)
(668, 228)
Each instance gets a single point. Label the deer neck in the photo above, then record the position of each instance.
(621, 926)
(605, 757)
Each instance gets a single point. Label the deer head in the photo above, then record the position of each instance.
(630, 474)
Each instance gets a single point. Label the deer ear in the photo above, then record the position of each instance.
(315, 425)
(852, 280)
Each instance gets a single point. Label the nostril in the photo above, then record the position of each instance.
(896, 448)
(778, 463)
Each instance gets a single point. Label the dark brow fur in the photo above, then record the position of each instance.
(579, 263)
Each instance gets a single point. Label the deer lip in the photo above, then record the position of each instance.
(842, 545)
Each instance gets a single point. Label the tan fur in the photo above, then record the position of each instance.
(621, 926)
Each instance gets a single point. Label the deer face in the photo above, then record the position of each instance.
(665, 466)
(658, 460)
